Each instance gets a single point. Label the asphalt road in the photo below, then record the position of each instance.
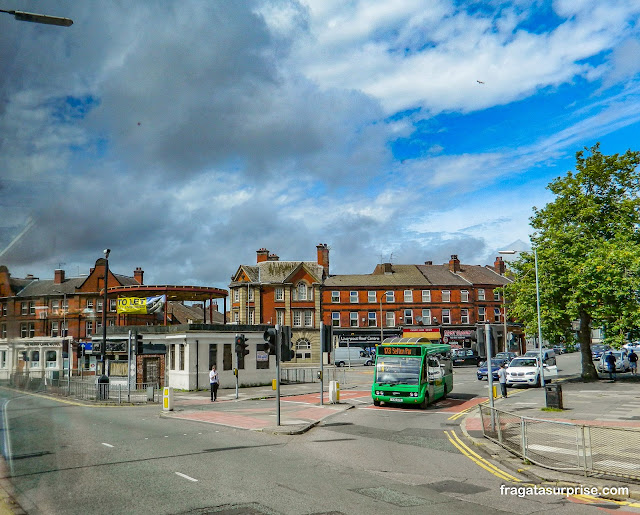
(74, 459)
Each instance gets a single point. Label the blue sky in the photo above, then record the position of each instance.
(187, 135)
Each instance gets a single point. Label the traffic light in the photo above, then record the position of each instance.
(241, 346)
(286, 352)
(270, 340)
(139, 345)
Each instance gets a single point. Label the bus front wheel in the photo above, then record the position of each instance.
(425, 402)
(376, 403)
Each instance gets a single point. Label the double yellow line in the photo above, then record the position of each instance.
(479, 460)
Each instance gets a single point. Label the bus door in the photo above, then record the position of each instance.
(435, 376)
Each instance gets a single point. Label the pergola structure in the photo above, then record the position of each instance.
(176, 293)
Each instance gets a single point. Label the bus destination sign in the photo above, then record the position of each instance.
(397, 350)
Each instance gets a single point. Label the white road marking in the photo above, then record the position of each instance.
(186, 477)
(107, 444)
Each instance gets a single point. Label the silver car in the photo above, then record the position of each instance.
(622, 363)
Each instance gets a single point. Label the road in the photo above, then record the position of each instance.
(73, 459)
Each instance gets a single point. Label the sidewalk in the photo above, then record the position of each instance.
(602, 403)
(256, 407)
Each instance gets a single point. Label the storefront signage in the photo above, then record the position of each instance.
(141, 305)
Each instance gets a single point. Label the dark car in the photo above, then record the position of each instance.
(465, 357)
(483, 371)
(598, 350)
(507, 356)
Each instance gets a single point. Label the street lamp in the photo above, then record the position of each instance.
(535, 259)
(103, 380)
(40, 18)
(64, 334)
(381, 333)
(103, 351)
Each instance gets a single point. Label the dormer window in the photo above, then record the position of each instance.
(302, 292)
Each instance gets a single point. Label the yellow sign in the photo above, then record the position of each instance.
(141, 305)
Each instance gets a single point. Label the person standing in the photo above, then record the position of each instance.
(214, 381)
(610, 361)
(502, 378)
(633, 361)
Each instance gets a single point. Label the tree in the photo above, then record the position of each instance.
(588, 246)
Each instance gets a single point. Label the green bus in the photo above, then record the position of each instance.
(411, 371)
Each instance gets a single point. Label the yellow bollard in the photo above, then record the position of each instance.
(337, 392)
(273, 384)
(495, 392)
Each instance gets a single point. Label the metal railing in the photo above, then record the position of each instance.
(565, 446)
(291, 375)
(90, 390)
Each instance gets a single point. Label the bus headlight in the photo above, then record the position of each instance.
(413, 394)
(378, 392)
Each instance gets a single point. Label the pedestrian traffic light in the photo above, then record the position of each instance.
(139, 345)
(270, 339)
(241, 346)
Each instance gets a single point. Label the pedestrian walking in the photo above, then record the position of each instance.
(633, 362)
(502, 378)
(610, 361)
(213, 379)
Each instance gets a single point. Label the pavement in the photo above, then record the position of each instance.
(602, 403)
(255, 408)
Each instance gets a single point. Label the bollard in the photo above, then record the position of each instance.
(334, 392)
(167, 398)
(103, 388)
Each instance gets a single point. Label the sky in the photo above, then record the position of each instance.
(185, 136)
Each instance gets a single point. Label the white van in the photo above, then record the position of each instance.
(350, 356)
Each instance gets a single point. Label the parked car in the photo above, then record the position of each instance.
(598, 349)
(622, 363)
(466, 357)
(352, 356)
(559, 349)
(548, 355)
(483, 370)
(526, 370)
(507, 356)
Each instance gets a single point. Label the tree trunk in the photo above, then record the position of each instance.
(589, 372)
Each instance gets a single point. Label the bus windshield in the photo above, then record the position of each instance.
(397, 370)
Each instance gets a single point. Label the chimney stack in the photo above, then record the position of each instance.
(323, 258)
(58, 276)
(262, 255)
(138, 274)
(454, 263)
(499, 265)
(428, 262)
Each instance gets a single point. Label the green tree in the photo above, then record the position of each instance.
(588, 245)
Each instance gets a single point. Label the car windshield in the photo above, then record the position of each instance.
(524, 362)
(397, 370)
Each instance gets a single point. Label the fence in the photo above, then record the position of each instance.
(89, 389)
(564, 446)
(290, 375)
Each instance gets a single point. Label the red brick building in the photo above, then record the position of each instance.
(439, 301)
(43, 321)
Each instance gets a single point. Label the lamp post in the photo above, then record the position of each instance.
(63, 332)
(103, 381)
(535, 259)
(40, 18)
(381, 332)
